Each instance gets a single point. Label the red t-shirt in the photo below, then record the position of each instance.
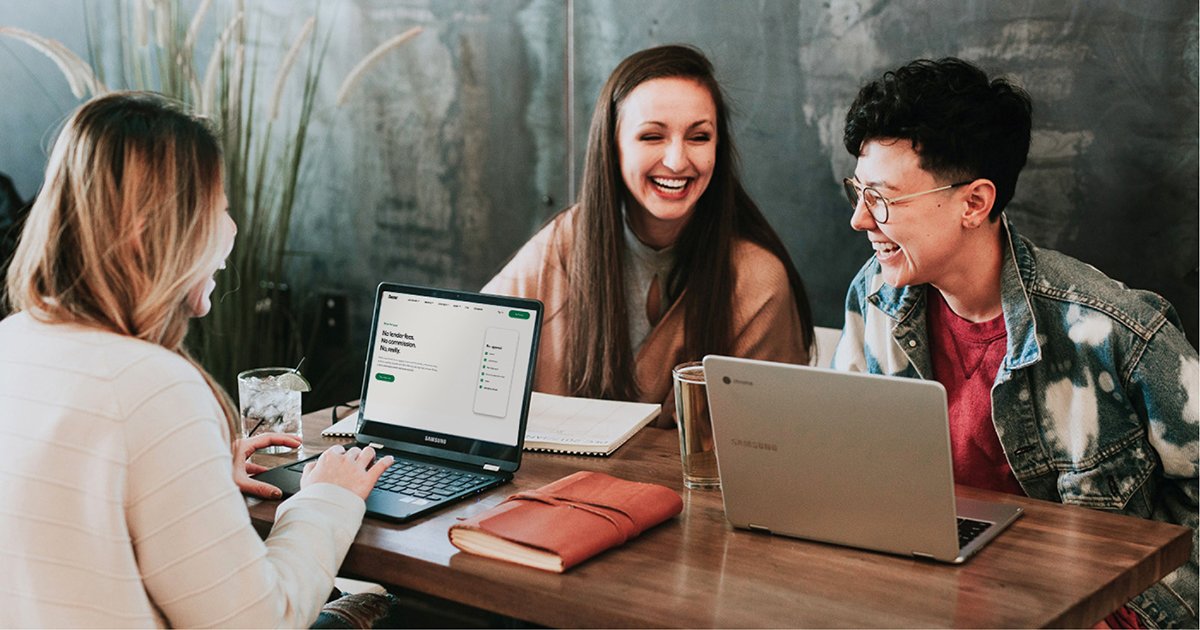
(966, 357)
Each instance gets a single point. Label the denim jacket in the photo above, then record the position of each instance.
(1095, 402)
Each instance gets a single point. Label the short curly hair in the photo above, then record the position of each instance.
(961, 124)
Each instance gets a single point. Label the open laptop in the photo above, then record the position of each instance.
(853, 459)
(445, 392)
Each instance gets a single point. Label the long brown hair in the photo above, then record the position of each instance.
(125, 225)
(599, 350)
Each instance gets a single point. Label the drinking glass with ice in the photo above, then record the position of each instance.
(269, 399)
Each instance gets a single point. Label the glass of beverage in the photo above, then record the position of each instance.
(269, 399)
(696, 446)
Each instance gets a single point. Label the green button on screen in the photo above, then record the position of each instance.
(518, 314)
(387, 378)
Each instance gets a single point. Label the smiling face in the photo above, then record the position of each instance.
(924, 238)
(667, 143)
(199, 299)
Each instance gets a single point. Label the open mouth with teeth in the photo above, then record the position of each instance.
(885, 250)
(671, 186)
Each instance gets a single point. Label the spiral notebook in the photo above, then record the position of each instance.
(346, 427)
(583, 426)
(563, 424)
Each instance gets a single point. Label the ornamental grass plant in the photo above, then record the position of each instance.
(264, 127)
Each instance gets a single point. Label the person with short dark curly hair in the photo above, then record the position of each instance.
(976, 128)
(1062, 384)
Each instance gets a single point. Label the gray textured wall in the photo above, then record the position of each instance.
(1112, 176)
(458, 146)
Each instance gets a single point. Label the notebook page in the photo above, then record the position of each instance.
(573, 423)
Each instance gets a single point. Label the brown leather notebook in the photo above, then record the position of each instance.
(566, 522)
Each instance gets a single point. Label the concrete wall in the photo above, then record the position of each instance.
(458, 146)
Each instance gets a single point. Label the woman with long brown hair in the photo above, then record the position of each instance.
(121, 471)
(665, 257)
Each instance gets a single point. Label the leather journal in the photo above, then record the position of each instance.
(566, 522)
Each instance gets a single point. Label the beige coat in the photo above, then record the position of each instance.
(765, 321)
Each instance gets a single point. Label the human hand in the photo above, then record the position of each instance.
(351, 469)
(243, 467)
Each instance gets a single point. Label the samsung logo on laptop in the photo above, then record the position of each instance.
(435, 440)
(762, 446)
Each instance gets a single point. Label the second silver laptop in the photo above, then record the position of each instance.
(846, 458)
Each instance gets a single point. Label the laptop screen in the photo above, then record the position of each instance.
(450, 371)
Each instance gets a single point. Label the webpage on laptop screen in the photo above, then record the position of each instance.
(453, 367)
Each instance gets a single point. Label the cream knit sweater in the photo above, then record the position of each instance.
(117, 501)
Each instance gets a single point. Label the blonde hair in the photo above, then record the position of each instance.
(125, 225)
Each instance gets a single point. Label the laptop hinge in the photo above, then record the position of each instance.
(491, 467)
(375, 445)
(758, 528)
(924, 556)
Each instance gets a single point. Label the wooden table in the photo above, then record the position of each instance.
(1056, 566)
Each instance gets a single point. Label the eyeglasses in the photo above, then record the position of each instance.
(880, 206)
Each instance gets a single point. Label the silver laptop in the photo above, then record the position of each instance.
(853, 459)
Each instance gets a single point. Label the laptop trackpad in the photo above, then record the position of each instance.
(387, 504)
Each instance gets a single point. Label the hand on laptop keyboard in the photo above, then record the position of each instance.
(356, 469)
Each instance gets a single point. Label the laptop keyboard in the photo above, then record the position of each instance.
(969, 529)
(420, 483)
(428, 482)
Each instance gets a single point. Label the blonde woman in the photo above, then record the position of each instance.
(119, 501)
